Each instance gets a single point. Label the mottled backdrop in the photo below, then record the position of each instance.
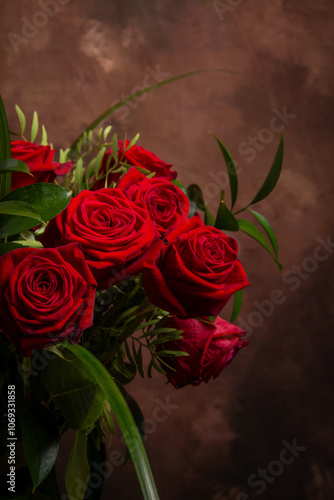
(70, 60)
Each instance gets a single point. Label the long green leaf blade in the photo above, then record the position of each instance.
(34, 127)
(22, 118)
(249, 228)
(5, 150)
(110, 110)
(236, 305)
(231, 170)
(268, 229)
(273, 175)
(123, 417)
(77, 469)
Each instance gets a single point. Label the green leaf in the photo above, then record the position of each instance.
(34, 127)
(22, 119)
(44, 141)
(231, 170)
(12, 165)
(123, 417)
(79, 174)
(236, 305)
(47, 200)
(168, 353)
(111, 110)
(249, 228)
(28, 243)
(106, 132)
(40, 439)
(268, 229)
(74, 391)
(5, 150)
(138, 418)
(21, 208)
(77, 469)
(194, 193)
(225, 219)
(209, 219)
(273, 175)
(132, 143)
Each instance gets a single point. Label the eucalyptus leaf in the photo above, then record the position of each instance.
(231, 170)
(132, 142)
(46, 199)
(194, 194)
(44, 141)
(40, 439)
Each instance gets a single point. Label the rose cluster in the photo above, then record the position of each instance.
(107, 235)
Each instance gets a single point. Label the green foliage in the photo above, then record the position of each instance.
(77, 469)
(5, 150)
(44, 199)
(40, 439)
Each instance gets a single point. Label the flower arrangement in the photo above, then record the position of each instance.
(104, 253)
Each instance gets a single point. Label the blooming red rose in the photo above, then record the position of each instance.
(40, 161)
(136, 156)
(196, 273)
(210, 348)
(114, 233)
(167, 204)
(46, 296)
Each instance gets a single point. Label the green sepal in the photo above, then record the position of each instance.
(225, 220)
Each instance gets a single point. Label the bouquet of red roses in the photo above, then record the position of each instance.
(104, 253)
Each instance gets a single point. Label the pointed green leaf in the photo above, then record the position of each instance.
(106, 132)
(44, 141)
(123, 417)
(208, 217)
(132, 143)
(194, 193)
(12, 165)
(77, 469)
(231, 170)
(34, 127)
(225, 220)
(40, 439)
(236, 305)
(268, 229)
(47, 200)
(138, 418)
(249, 228)
(5, 150)
(118, 105)
(21, 208)
(273, 175)
(22, 118)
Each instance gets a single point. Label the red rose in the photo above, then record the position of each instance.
(114, 232)
(196, 273)
(167, 204)
(39, 160)
(136, 156)
(210, 347)
(46, 296)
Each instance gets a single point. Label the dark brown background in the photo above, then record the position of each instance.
(88, 55)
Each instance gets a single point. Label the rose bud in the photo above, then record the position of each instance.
(210, 348)
(46, 296)
(196, 272)
(168, 206)
(114, 233)
(40, 162)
